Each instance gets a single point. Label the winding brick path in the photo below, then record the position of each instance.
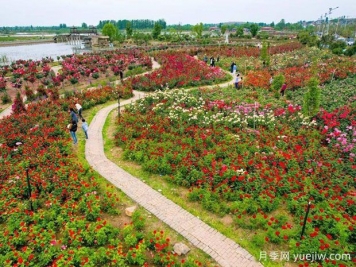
(223, 250)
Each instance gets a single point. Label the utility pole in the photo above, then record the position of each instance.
(330, 11)
(320, 23)
(324, 26)
(337, 25)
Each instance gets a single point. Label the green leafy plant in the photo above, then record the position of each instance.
(5, 98)
(311, 103)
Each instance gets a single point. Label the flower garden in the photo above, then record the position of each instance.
(259, 159)
(243, 154)
(178, 70)
(56, 216)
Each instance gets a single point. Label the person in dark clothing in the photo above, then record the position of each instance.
(73, 128)
(205, 59)
(237, 80)
(73, 116)
(283, 89)
(232, 67)
(212, 62)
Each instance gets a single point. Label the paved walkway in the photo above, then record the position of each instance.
(222, 249)
(6, 112)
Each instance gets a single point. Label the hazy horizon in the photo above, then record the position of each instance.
(53, 13)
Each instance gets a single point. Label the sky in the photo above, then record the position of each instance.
(75, 12)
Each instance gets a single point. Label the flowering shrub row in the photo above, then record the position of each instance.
(334, 94)
(75, 68)
(241, 51)
(297, 76)
(262, 164)
(178, 70)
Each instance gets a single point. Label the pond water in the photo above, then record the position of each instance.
(38, 51)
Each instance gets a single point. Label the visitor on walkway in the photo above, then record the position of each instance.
(233, 67)
(85, 128)
(271, 80)
(79, 109)
(237, 80)
(283, 89)
(121, 75)
(240, 83)
(212, 62)
(73, 116)
(205, 59)
(73, 128)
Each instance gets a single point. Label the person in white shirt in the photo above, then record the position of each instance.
(79, 109)
(237, 80)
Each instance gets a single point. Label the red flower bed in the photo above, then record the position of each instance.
(178, 70)
(297, 76)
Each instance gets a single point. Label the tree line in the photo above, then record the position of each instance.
(138, 24)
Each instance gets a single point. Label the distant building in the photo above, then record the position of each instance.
(100, 41)
(269, 30)
(215, 28)
(246, 31)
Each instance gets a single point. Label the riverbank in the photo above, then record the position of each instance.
(25, 42)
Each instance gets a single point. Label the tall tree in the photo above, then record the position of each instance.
(110, 30)
(198, 29)
(128, 29)
(223, 29)
(253, 29)
(156, 30)
(239, 31)
(84, 25)
(281, 25)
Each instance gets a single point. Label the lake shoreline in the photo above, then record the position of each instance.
(25, 42)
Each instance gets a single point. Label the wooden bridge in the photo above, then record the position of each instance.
(90, 31)
(76, 35)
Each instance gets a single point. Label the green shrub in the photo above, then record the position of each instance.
(138, 221)
(95, 75)
(5, 98)
(311, 103)
(258, 240)
(277, 83)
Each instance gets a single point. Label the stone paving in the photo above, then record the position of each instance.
(223, 250)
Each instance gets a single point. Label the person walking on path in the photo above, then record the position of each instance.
(212, 62)
(73, 116)
(237, 80)
(240, 83)
(232, 67)
(271, 80)
(85, 128)
(73, 128)
(205, 59)
(283, 89)
(79, 109)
